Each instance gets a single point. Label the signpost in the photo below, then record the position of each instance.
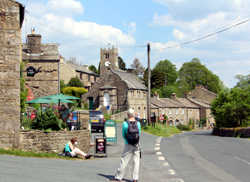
(110, 131)
(108, 109)
(161, 118)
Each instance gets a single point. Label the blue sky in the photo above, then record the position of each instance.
(130, 25)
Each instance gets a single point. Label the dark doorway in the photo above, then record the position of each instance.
(90, 103)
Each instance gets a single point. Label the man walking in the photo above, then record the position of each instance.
(131, 130)
(65, 115)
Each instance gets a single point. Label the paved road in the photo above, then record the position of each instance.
(199, 156)
(24, 169)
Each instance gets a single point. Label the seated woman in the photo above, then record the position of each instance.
(75, 151)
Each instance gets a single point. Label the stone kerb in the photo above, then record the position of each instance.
(39, 141)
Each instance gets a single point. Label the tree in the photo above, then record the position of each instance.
(73, 60)
(93, 68)
(157, 78)
(169, 70)
(137, 66)
(145, 77)
(121, 64)
(62, 85)
(244, 81)
(194, 73)
(231, 108)
(75, 82)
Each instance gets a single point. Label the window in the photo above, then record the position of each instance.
(197, 113)
(176, 111)
(181, 122)
(138, 94)
(139, 110)
(107, 56)
(132, 93)
(169, 111)
(95, 79)
(81, 76)
(183, 111)
(162, 111)
(88, 77)
(190, 112)
(144, 114)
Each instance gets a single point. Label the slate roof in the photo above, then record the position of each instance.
(130, 80)
(82, 69)
(166, 102)
(48, 52)
(201, 102)
(187, 103)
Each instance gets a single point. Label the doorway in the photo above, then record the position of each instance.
(106, 99)
(91, 103)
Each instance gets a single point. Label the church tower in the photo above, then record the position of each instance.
(108, 58)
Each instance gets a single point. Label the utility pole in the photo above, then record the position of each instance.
(149, 87)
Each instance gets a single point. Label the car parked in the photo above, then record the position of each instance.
(97, 120)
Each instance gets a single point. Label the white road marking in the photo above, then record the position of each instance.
(161, 158)
(242, 160)
(165, 164)
(171, 171)
(157, 145)
(157, 148)
(158, 153)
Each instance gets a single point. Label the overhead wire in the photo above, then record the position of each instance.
(209, 35)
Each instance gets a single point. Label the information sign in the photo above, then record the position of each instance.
(110, 131)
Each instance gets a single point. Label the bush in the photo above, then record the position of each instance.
(26, 122)
(75, 91)
(75, 82)
(47, 119)
(117, 111)
(183, 127)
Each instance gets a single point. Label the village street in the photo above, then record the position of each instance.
(189, 157)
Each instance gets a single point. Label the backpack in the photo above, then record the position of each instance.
(132, 134)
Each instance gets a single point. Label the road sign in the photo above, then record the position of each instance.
(161, 117)
(110, 131)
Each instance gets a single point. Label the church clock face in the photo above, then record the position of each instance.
(107, 63)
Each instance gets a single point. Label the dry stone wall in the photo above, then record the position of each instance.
(243, 132)
(39, 141)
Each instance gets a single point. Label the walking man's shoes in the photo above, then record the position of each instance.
(114, 179)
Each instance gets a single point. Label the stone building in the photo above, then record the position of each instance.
(42, 69)
(178, 110)
(115, 88)
(202, 93)
(11, 19)
(69, 70)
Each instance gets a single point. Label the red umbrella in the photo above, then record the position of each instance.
(30, 95)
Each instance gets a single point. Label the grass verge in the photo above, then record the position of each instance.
(161, 130)
(36, 155)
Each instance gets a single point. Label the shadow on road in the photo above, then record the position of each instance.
(112, 177)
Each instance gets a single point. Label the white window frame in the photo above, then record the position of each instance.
(176, 110)
(197, 112)
(190, 112)
(169, 112)
(162, 111)
(183, 111)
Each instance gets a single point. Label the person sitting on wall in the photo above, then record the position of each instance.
(65, 115)
(73, 151)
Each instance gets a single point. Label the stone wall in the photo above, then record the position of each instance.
(243, 132)
(9, 139)
(119, 116)
(46, 80)
(39, 141)
(10, 43)
(66, 71)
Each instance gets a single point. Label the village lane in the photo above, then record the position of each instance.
(200, 156)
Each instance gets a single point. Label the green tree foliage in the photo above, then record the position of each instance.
(165, 92)
(62, 85)
(194, 73)
(93, 68)
(157, 79)
(23, 89)
(121, 63)
(47, 119)
(243, 81)
(231, 108)
(168, 69)
(75, 82)
(137, 66)
(77, 92)
(145, 77)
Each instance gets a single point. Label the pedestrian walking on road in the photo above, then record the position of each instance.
(131, 131)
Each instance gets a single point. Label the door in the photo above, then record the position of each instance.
(90, 103)
(106, 99)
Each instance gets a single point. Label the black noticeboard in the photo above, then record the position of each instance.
(31, 71)
(100, 146)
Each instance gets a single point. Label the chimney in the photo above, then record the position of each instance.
(173, 96)
(156, 95)
(34, 42)
(199, 86)
(85, 66)
(206, 87)
(186, 95)
(62, 59)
